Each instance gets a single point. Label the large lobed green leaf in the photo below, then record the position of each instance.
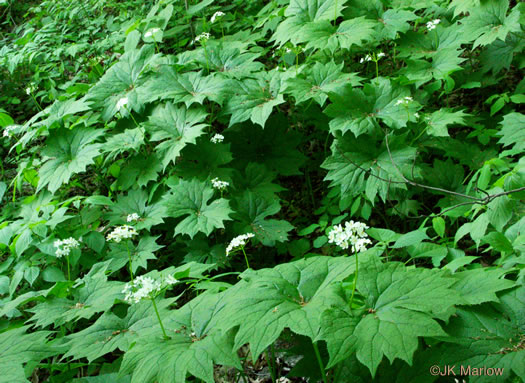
(190, 199)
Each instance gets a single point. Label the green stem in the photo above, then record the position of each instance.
(241, 373)
(395, 45)
(160, 321)
(419, 135)
(338, 370)
(206, 55)
(14, 189)
(272, 353)
(130, 262)
(309, 186)
(245, 257)
(377, 68)
(355, 280)
(36, 102)
(133, 118)
(156, 46)
(68, 268)
(211, 114)
(270, 366)
(320, 361)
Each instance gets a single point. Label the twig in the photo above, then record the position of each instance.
(410, 182)
(368, 171)
(474, 200)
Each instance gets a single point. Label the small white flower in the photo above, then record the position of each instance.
(64, 246)
(404, 101)
(239, 241)
(432, 24)
(381, 54)
(133, 217)
(288, 50)
(121, 232)
(141, 288)
(218, 184)
(217, 138)
(416, 115)
(216, 15)
(30, 89)
(170, 280)
(122, 102)
(8, 130)
(151, 32)
(352, 235)
(203, 36)
(366, 58)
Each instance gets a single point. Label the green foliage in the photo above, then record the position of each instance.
(401, 306)
(173, 175)
(67, 153)
(190, 199)
(19, 348)
(175, 127)
(193, 347)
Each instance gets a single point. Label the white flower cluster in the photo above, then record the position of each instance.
(218, 184)
(64, 246)
(170, 280)
(216, 15)
(30, 89)
(352, 235)
(151, 32)
(370, 58)
(121, 232)
(405, 100)
(141, 288)
(122, 103)
(203, 36)
(365, 59)
(239, 241)
(432, 24)
(217, 138)
(145, 288)
(133, 217)
(8, 129)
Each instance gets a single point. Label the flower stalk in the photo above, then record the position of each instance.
(148, 288)
(245, 257)
(130, 260)
(355, 280)
(240, 242)
(352, 236)
(320, 361)
(160, 320)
